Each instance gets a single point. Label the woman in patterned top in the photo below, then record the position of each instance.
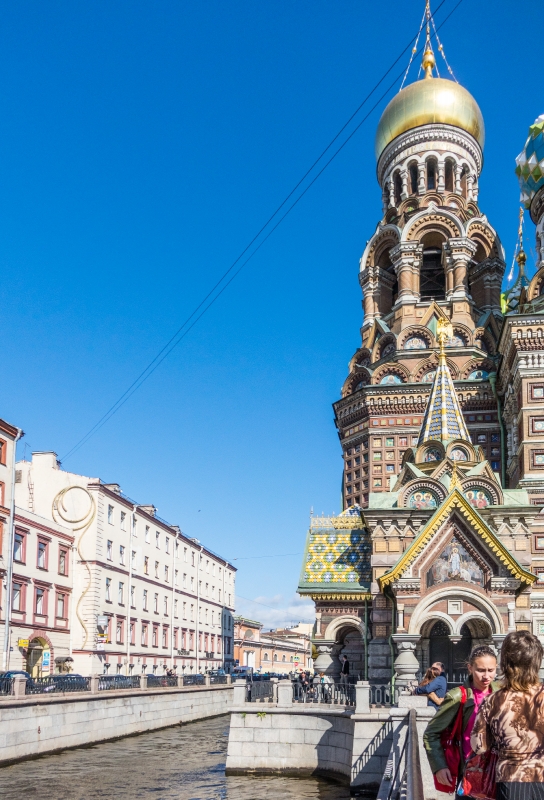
(512, 720)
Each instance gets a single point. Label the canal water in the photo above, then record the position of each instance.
(185, 763)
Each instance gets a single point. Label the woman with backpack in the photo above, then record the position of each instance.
(512, 720)
(464, 701)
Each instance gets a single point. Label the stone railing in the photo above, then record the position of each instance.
(19, 686)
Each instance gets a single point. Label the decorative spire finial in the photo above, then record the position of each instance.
(455, 482)
(444, 331)
(429, 61)
(521, 258)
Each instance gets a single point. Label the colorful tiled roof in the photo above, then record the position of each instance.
(337, 555)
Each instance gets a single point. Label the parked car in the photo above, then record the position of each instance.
(215, 672)
(242, 672)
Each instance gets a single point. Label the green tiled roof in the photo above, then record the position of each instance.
(336, 557)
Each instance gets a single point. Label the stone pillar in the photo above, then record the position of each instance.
(441, 185)
(391, 184)
(229, 679)
(421, 184)
(275, 682)
(206, 680)
(95, 679)
(180, 681)
(327, 660)
(19, 686)
(470, 185)
(285, 694)
(362, 697)
(404, 179)
(406, 258)
(461, 250)
(143, 681)
(511, 616)
(406, 663)
(400, 617)
(239, 692)
(458, 173)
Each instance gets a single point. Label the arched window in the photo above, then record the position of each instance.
(432, 279)
(398, 187)
(265, 657)
(275, 656)
(283, 658)
(413, 178)
(449, 176)
(431, 174)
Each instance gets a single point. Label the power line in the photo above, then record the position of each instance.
(178, 335)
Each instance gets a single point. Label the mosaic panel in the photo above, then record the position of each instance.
(455, 564)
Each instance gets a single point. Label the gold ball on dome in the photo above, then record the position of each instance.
(429, 60)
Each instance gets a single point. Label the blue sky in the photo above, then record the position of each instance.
(142, 145)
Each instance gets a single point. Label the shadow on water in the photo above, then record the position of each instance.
(186, 763)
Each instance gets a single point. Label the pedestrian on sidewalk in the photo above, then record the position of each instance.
(344, 671)
(513, 720)
(482, 669)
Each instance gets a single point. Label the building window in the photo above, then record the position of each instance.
(134, 528)
(133, 597)
(175, 608)
(122, 555)
(108, 590)
(132, 629)
(147, 534)
(166, 575)
(19, 548)
(146, 565)
(133, 559)
(192, 558)
(109, 550)
(123, 521)
(156, 569)
(192, 584)
(121, 593)
(17, 597)
(61, 606)
(184, 580)
(110, 515)
(175, 577)
(177, 550)
(144, 634)
(40, 601)
(155, 642)
(157, 540)
(167, 543)
(165, 637)
(165, 606)
(192, 613)
(119, 632)
(63, 561)
(184, 610)
(42, 555)
(185, 554)
(156, 603)
(145, 599)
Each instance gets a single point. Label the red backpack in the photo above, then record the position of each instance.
(450, 740)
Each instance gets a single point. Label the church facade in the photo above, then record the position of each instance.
(440, 545)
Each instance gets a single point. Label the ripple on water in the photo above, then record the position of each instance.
(186, 763)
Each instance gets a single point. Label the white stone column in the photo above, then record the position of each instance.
(511, 616)
(404, 179)
(406, 664)
(441, 185)
(421, 182)
(406, 258)
(362, 697)
(458, 173)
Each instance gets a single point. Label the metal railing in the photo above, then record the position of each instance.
(118, 682)
(414, 780)
(193, 680)
(260, 692)
(329, 693)
(57, 684)
(6, 686)
(218, 679)
(153, 681)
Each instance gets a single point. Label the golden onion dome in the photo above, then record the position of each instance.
(428, 101)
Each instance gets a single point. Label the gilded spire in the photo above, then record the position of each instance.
(429, 62)
(443, 420)
(510, 300)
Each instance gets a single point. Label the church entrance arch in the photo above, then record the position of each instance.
(452, 651)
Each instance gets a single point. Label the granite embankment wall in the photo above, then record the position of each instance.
(30, 726)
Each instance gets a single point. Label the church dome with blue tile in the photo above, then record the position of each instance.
(530, 163)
